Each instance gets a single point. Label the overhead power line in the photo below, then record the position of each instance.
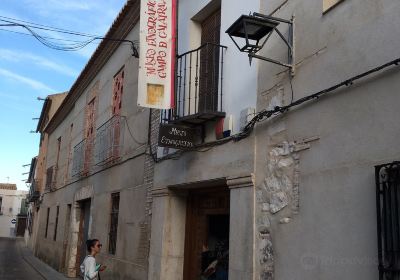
(73, 45)
(46, 37)
(47, 27)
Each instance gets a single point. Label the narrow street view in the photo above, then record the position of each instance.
(200, 139)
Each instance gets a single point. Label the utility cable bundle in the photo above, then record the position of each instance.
(73, 45)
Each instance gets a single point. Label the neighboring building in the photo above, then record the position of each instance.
(37, 171)
(97, 168)
(10, 207)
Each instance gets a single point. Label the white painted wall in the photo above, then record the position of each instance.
(333, 235)
(11, 200)
(240, 79)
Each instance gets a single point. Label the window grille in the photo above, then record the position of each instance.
(81, 158)
(113, 223)
(388, 224)
(109, 140)
(50, 182)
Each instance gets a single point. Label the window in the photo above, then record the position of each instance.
(49, 179)
(1, 205)
(56, 225)
(69, 153)
(89, 133)
(118, 90)
(112, 244)
(387, 177)
(327, 5)
(47, 222)
(58, 150)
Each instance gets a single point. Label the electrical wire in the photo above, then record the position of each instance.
(61, 47)
(46, 27)
(66, 47)
(130, 132)
(46, 37)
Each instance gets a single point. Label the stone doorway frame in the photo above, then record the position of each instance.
(168, 225)
(81, 194)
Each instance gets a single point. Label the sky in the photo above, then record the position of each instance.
(29, 70)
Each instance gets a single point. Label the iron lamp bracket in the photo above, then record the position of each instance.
(257, 29)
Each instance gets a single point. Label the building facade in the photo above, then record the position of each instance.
(286, 193)
(301, 193)
(97, 166)
(38, 168)
(10, 207)
(316, 187)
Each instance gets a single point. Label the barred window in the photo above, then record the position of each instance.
(49, 179)
(387, 178)
(112, 244)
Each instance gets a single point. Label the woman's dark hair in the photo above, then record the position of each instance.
(90, 243)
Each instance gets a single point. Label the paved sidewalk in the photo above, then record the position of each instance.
(46, 271)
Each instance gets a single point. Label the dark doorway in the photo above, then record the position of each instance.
(209, 62)
(63, 266)
(83, 233)
(207, 235)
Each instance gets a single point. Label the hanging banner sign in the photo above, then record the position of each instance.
(157, 53)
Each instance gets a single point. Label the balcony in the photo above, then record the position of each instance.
(199, 87)
(109, 141)
(50, 179)
(82, 158)
(33, 194)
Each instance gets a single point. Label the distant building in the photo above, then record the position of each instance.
(10, 207)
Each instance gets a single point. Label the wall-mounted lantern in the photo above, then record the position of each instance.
(253, 28)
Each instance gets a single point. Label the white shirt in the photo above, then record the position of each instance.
(88, 268)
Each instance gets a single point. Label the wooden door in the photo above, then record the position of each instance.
(200, 205)
(67, 228)
(209, 62)
(83, 234)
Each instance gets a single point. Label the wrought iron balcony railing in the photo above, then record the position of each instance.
(50, 178)
(199, 86)
(82, 157)
(33, 194)
(109, 140)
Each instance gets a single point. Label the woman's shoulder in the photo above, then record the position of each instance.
(90, 259)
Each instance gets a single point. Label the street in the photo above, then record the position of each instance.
(12, 265)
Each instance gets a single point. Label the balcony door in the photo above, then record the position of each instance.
(209, 63)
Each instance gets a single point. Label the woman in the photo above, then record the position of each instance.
(89, 268)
